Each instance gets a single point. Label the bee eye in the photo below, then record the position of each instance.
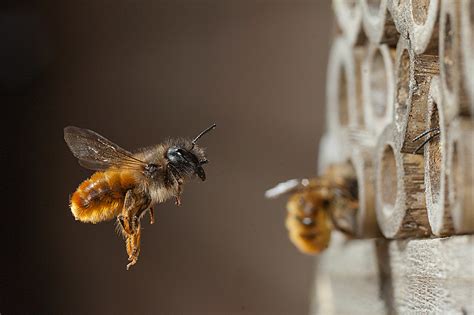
(181, 152)
(176, 153)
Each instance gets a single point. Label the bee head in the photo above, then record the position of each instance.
(188, 161)
(185, 162)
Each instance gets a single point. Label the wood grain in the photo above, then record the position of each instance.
(433, 276)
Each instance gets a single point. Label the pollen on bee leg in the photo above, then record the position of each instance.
(132, 245)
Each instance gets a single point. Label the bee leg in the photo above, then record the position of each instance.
(178, 194)
(133, 247)
(123, 225)
(128, 218)
(135, 223)
(152, 215)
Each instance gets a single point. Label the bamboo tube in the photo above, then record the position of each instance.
(378, 23)
(467, 47)
(344, 88)
(343, 98)
(452, 62)
(397, 9)
(378, 88)
(366, 221)
(399, 189)
(461, 171)
(422, 18)
(436, 175)
(349, 20)
(413, 74)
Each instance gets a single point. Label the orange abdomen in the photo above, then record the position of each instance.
(101, 197)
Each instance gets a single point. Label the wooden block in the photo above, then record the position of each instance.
(461, 173)
(422, 18)
(378, 23)
(349, 20)
(433, 276)
(452, 62)
(467, 46)
(347, 280)
(427, 276)
(399, 189)
(378, 88)
(413, 74)
(436, 174)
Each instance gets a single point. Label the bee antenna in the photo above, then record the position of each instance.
(202, 134)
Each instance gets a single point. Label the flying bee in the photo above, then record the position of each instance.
(317, 206)
(127, 185)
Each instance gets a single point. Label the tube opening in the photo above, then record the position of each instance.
(403, 84)
(343, 109)
(378, 85)
(435, 156)
(449, 61)
(420, 10)
(389, 177)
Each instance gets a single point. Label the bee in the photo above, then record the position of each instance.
(319, 205)
(127, 185)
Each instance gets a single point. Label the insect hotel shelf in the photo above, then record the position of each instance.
(397, 69)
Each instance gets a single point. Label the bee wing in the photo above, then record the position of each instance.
(95, 152)
(286, 187)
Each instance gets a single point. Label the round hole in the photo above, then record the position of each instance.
(420, 10)
(351, 4)
(471, 19)
(457, 173)
(352, 182)
(435, 155)
(403, 85)
(389, 177)
(374, 6)
(378, 85)
(343, 101)
(448, 53)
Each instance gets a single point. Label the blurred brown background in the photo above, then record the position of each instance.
(139, 72)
